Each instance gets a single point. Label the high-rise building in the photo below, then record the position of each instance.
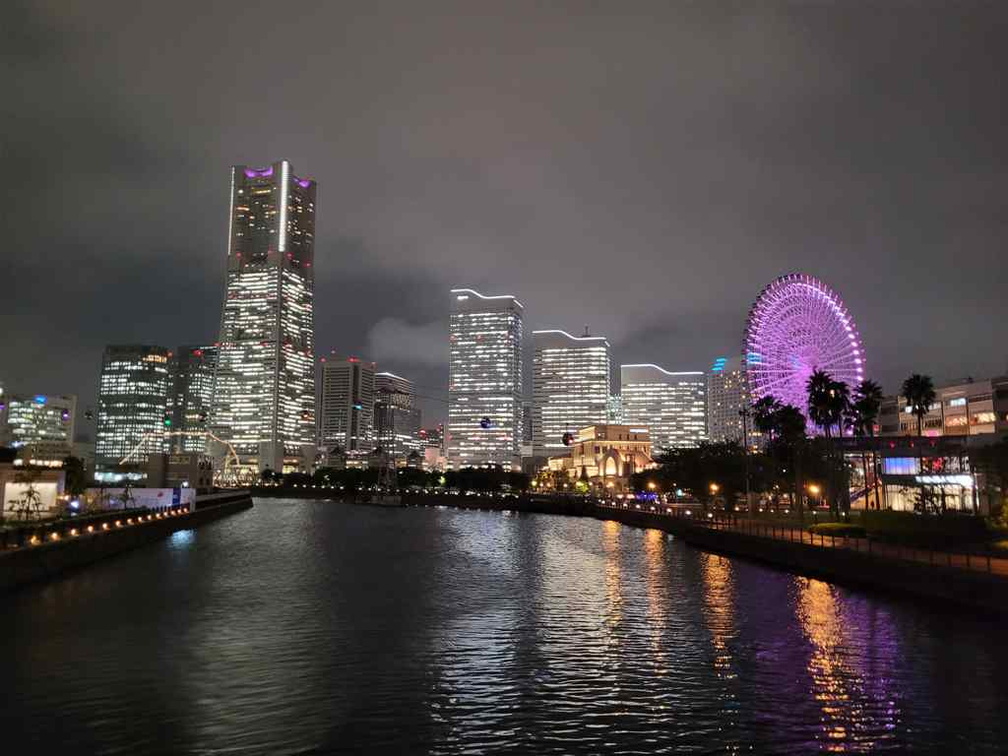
(397, 417)
(346, 405)
(671, 405)
(264, 400)
(193, 370)
(484, 380)
(727, 397)
(39, 427)
(132, 410)
(571, 386)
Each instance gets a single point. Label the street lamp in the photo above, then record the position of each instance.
(651, 485)
(714, 488)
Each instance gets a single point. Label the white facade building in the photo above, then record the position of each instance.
(484, 380)
(346, 405)
(264, 403)
(570, 387)
(671, 405)
(727, 396)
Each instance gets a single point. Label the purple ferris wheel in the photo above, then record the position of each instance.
(799, 324)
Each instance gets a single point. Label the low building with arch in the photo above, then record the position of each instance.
(605, 456)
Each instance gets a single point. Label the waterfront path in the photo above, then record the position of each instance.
(757, 528)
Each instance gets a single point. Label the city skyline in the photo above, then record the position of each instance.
(704, 197)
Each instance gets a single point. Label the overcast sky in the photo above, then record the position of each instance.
(643, 168)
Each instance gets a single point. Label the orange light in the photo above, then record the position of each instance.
(73, 531)
(104, 526)
(118, 523)
(54, 536)
(90, 528)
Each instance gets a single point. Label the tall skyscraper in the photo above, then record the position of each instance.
(727, 395)
(484, 379)
(346, 405)
(39, 427)
(397, 416)
(671, 405)
(264, 402)
(132, 409)
(570, 387)
(192, 370)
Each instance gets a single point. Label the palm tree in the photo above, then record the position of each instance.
(861, 417)
(918, 390)
(828, 402)
(820, 400)
(765, 415)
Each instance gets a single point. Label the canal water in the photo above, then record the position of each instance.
(313, 627)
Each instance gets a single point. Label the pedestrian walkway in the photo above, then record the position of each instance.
(761, 529)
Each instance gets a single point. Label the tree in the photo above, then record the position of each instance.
(29, 504)
(863, 411)
(828, 402)
(764, 415)
(76, 475)
(918, 391)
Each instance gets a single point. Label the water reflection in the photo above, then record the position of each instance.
(313, 628)
(849, 668)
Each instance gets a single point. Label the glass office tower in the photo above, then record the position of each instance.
(264, 402)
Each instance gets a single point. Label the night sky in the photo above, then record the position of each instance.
(643, 168)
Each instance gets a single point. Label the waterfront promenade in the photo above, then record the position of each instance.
(43, 549)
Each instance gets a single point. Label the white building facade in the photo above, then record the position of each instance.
(570, 387)
(727, 398)
(484, 380)
(672, 405)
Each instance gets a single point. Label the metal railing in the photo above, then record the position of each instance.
(791, 534)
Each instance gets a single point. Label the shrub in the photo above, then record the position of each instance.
(838, 529)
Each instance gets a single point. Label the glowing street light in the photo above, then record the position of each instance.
(714, 488)
(651, 485)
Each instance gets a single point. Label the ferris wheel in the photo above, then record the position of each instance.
(798, 325)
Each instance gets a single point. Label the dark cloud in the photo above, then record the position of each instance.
(643, 168)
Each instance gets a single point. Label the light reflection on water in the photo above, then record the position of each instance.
(309, 626)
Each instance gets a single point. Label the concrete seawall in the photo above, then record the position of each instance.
(31, 564)
(953, 586)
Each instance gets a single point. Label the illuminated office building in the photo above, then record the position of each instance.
(39, 427)
(570, 387)
(192, 391)
(727, 397)
(264, 402)
(484, 380)
(397, 417)
(346, 405)
(132, 409)
(671, 405)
